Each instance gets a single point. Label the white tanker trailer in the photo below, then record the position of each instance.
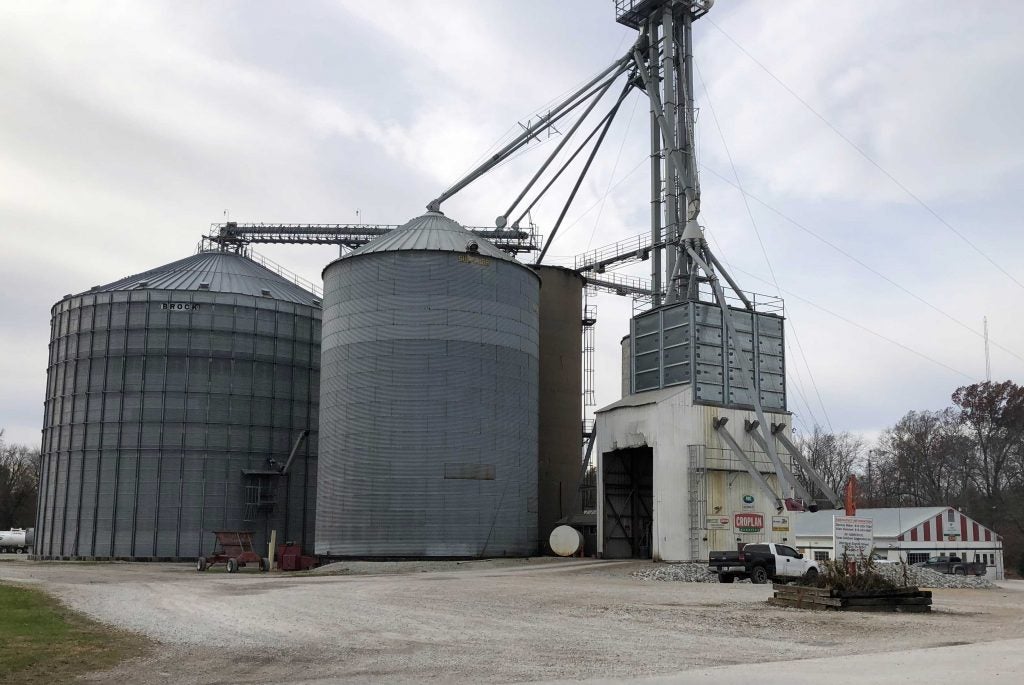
(18, 540)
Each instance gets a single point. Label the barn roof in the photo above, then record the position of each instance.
(889, 522)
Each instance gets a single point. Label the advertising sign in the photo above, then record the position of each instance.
(854, 536)
(718, 523)
(950, 526)
(748, 503)
(780, 524)
(748, 522)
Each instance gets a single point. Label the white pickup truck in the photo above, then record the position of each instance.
(761, 562)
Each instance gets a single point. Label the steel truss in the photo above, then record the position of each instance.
(233, 234)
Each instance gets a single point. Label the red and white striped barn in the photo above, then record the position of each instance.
(909, 534)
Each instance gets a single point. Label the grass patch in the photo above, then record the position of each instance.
(42, 641)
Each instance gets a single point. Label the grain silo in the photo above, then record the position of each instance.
(429, 401)
(561, 404)
(162, 389)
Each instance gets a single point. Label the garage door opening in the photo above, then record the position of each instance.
(628, 477)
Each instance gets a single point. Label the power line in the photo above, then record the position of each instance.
(800, 390)
(862, 327)
(866, 156)
(613, 187)
(863, 264)
(611, 176)
(798, 381)
(800, 348)
(505, 137)
(760, 241)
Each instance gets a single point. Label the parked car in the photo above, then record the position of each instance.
(761, 562)
(954, 565)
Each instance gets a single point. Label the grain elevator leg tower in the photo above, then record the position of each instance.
(706, 385)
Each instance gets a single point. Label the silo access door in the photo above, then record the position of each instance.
(628, 478)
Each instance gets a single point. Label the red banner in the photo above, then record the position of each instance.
(747, 522)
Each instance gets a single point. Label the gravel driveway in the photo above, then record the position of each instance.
(478, 623)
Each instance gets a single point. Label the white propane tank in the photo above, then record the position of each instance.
(566, 541)
(13, 541)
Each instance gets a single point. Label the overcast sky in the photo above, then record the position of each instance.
(127, 128)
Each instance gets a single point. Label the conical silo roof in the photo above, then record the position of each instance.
(432, 231)
(215, 271)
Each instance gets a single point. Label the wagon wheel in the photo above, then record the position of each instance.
(232, 565)
(201, 564)
(264, 564)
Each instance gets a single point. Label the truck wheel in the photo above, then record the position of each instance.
(959, 572)
(811, 575)
(726, 577)
(759, 575)
(18, 550)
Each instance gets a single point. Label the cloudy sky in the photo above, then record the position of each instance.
(879, 144)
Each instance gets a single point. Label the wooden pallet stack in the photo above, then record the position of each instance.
(908, 599)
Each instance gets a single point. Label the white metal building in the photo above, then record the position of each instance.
(670, 489)
(909, 534)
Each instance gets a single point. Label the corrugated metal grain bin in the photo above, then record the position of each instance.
(429, 406)
(161, 389)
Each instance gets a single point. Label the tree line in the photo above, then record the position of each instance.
(969, 455)
(19, 484)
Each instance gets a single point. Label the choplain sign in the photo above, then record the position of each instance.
(748, 522)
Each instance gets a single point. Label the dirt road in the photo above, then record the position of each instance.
(534, 621)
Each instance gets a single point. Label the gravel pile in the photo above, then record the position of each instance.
(925, 577)
(916, 576)
(686, 573)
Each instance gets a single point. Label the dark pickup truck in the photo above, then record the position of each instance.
(953, 565)
(761, 562)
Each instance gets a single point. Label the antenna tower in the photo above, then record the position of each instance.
(988, 357)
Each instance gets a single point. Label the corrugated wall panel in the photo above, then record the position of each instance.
(153, 410)
(663, 340)
(410, 395)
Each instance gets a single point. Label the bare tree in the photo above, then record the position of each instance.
(19, 484)
(993, 414)
(833, 455)
(924, 459)
(970, 455)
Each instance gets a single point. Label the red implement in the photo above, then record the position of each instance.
(291, 558)
(235, 550)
